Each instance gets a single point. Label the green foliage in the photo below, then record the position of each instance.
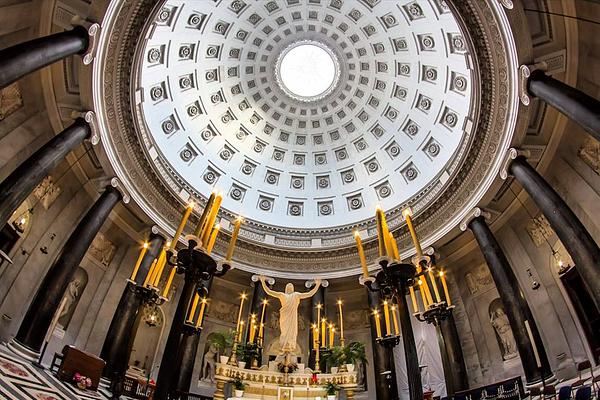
(247, 352)
(331, 388)
(238, 383)
(222, 340)
(354, 353)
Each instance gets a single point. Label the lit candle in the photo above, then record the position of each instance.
(427, 291)
(252, 330)
(407, 213)
(205, 213)
(331, 335)
(341, 321)
(139, 261)
(414, 300)
(318, 313)
(445, 286)
(213, 238)
(181, 226)
(394, 246)
(423, 296)
(262, 318)
(377, 324)
(192, 313)
(361, 254)
(386, 313)
(160, 265)
(201, 316)
(169, 282)
(234, 236)
(434, 284)
(239, 320)
(315, 337)
(381, 236)
(150, 272)
(261, 333)
(395, 319)
(323, 332)
(241, 332)
(210, 221)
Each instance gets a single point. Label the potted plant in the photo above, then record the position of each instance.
(334, 358)
(223, 341)
(331, 389)
(82, 382)
(353, 354)
(238, 386)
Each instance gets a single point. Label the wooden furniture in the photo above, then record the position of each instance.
(75, 360)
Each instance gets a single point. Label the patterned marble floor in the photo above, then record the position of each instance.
(21, 380)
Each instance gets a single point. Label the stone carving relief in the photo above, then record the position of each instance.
(102, 249)
(223, 311)
(10, 100)
(479, 279)
(539, 230)
(356, 319)
(504, 335)
(47, 192)
(590, 154)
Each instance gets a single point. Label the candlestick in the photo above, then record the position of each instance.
(213, 238)
(205, 213)
(201, 316)
(169, 282)
(210, 220)
(445, 286)
(234, 236)
(386, 312)
(395, 319)
(181, 226)
(341, 323)
(361, 254)
(323, 332)
(150, 272)
(414, 300)
(407, 213)
(331, 335)
(239, 320)
(192, 313)
(377, 324)
(139, 261)
(434, 284)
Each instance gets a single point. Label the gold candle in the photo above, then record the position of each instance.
(234, 236)
(341, 321)
(262, 318)
(169, 282)
(407, 213)
(205, 213)
(361, 254)
(252, 330)
(239, 320)
(201, 316)
(241, 332)
(318, 314)
(414, 300)
(160, 266)
(394, 247)
(434, 284)
(423, 296)
(377, 324)
(445, 286)
(150, 272)
(139, 261)
(210, 221)
(427, 291)
(386, 313)
(192, 313)
(213, 238)
(181, 226)
(395, 319)
(381, 237)
(315, 337)
(323, 332)
(331, 335)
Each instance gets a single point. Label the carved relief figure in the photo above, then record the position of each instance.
(72, 296)
(504, 335)
(47, 192)
(102, 249)
(539, 230)
(590, 154)
(479, 279)
(10, 100)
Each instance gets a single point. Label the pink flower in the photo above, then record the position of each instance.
(88, 382)
(77, 377)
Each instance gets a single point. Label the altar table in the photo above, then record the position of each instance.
(263, 384)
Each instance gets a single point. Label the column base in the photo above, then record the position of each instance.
(104, 383)
(23, 351)
(551, 380)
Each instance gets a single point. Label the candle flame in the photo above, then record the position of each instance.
(356, 234)
(145, 245)
(339, 302)
(407, 212)
(265, 301)
(441, 273)
(420, 282)
(385, 302)
(191, 204)
(240, 218)
(393, 308)
(319, 306)
(244, 296)
(204, 300)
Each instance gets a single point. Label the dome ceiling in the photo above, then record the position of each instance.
(306, 114)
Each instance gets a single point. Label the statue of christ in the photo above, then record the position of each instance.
(288, 313)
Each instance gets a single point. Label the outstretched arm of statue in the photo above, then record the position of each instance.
(312, 291)
(268, 291)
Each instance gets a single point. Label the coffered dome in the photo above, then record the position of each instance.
(306, 114)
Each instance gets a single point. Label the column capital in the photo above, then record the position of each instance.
(311, 283)
(93, 31)
(510, 155)
(157, 230)
(524, 74)
(254, 278)
(117, 184)
(92, 120)
(476, 212)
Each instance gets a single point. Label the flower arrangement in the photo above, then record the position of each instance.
(292, 367)
(82, 382)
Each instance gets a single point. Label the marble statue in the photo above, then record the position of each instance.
(504, 334)
(288, 313)
(209, 364)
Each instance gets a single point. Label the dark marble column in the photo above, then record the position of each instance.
(569, 229)
(455, 370)
(384, 368)
(413, 372)
(578, 106)
(47, 299)
(318, 298)
(21, 182)
(516, 308)
(123, 326)
(24, 58)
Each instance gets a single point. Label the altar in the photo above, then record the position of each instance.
(269, 385)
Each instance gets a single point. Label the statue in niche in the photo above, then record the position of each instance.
(72, 296)
(478, 279)
(209, 363)
(504, 335)
(102, 249)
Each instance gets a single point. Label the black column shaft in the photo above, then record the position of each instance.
(569, 229)
(24, 58)
(415, 387)
(386, 386)
(456, 375)
(318, 298)
(515, 306)
(581, 108)
(256, 304)
(21, 182)
(47, 299)
(168, 365)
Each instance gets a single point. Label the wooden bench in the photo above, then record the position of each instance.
(75, 360)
